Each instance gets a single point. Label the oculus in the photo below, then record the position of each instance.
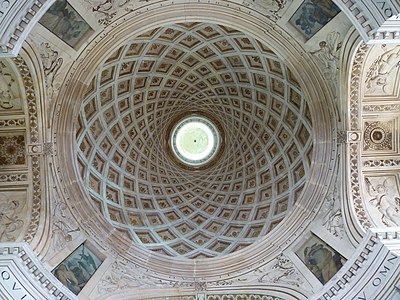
(195, 140)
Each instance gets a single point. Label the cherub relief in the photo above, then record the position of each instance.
(384, 200)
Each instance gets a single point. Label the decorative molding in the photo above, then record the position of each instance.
(354, 148)
(34, 138)
(379, 163)
(378, 135)
(15, 122)
(381, 108)
(38, 281)
(242, 297)
(17, 18)
(16, 177)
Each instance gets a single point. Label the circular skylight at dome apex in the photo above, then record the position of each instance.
(195, 140)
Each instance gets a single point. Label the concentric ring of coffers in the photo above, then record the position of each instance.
(218, 72)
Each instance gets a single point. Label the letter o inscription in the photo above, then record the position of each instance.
(5, 275)
(377, 281)
(5, 4)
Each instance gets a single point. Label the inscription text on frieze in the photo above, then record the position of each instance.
(385, 7)
(4, 6)
(379, 278)
(9, 282)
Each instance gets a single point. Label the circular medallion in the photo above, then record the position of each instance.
(195, 140)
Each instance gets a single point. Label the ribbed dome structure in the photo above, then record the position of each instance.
(154, 81)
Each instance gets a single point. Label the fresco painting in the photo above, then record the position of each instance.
(76, 270)
(312, 15)
(321, 259)
(65, 22)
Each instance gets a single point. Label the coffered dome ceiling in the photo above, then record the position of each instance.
(123, 137)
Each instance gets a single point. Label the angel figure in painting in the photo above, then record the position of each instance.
(328, 54)
(384, 200)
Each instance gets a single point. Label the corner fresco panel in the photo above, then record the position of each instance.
(77, 269)
(321, 259)
(65, 22)
(312, 15)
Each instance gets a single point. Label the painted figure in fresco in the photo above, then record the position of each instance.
(322, 262)
(315, 14)
(9, 221)
(64, 22)
(76, 270)
(87, 262)
(67, 278)
(384, 200)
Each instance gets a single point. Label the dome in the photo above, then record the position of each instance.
(212, 82)
(199, 150)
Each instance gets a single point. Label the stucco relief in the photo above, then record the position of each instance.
(384, 200)
(12, 209)
(275, 8)
(382, 73)
(378, 135)
(328, 55)
(10, 95)
(283, 271)
(107, 10)
(52, 63)
(64, 229)
(333, 219)
(12, 150)
(123, 275)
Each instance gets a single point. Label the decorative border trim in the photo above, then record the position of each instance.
(354, 149)
(36, 273)
(33, 138)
